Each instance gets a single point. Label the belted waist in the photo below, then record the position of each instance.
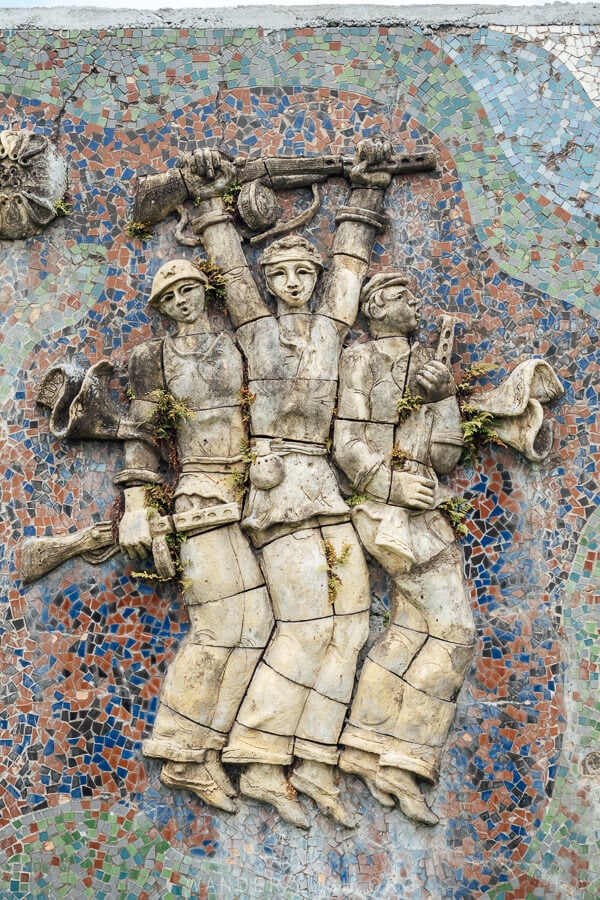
(263, 446)
(196, 465)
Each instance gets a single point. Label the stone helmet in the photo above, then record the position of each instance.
(172, 272)
(290, 249)
(370, 299)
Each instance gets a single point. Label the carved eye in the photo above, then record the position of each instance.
(166, 298)
(187, 288)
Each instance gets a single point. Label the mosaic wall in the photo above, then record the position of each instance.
(507, 239)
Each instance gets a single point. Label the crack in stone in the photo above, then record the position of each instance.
(55, 133)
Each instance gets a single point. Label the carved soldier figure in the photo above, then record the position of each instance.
(265, 682)
(405, 699)
(296, 703)
(225, 594)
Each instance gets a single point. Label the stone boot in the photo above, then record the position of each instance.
(315, 779)
(403, 785)
(268, 784)
(197, 778)
(365, 765)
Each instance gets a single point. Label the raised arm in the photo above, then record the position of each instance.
(358, 223)
(208, 174)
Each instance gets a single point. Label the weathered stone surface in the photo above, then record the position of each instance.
(33, 179)
(285, 694)
(502, 238)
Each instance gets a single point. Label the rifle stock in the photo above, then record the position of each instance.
(41, 555)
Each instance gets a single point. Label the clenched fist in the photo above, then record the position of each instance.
(373, 163)
(434, 382)
(207, 173)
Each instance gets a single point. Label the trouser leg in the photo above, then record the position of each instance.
(230, 624)
(405, 701)
(296, 703)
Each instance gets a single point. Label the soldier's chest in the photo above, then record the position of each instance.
(209, 372)
(388, 387)
(293, 347)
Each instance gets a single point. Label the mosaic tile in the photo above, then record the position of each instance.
(506, 238)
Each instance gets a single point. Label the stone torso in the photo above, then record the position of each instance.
(292, 369)
(374, 377)
(209, 377)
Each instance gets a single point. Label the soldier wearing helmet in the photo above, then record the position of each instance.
(228, 605)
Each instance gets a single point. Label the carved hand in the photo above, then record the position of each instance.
(434, 382)
(135, 538)
(373, 163)
(411, 490)
(207, 173)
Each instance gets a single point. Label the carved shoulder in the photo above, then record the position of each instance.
(356, 382)
(145, 367)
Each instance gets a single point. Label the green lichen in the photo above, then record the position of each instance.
(216, 288)
(408, 404)
(139, 231)
(174, 542)
(246, 398)
(239, 481)
(470, 375)
(148, 575)
(169, 413)
(456, 510)
(398, 457)
(478, 430)
(334, 560)
(61, 208)
(477, 426)
(356, 499)
(230, 197)
(159, 497)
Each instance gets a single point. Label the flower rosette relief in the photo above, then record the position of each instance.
(33, 179)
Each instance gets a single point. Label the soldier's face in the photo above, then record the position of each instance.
(292, 281)
(402, 309)
(184, 301)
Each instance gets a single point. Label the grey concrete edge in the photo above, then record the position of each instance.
(273, 18)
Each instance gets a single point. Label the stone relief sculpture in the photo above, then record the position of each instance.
(404, 702)
(277, 585)
(297, 700)
(33, 180)
(225, 594)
